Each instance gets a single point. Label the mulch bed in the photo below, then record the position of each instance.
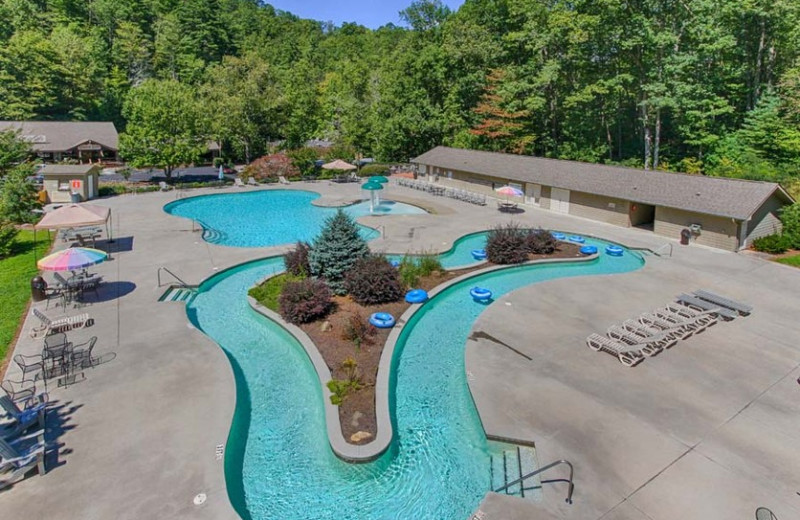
(357, 412)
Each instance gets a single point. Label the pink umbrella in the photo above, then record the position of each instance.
(71, 259)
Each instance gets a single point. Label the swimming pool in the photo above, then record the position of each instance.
(270, 217)
(278, 461)
(458, 256)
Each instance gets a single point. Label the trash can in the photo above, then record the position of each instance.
(685, 236)
(76, 197)
(38, 289)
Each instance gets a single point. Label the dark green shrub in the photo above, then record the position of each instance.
(541, 242)
(772, 244)
(268, 293)
(507, 244)
(373, 280)
(8, 232)
(358, 330)
(296, 260)
(305, 300)
(337, 248)
(369, 170)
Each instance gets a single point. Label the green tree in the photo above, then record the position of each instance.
(13, 150)
(162, 126)
(337, 248)
(304, 159)
(18, 196)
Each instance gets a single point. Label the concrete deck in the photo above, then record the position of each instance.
(137, 437)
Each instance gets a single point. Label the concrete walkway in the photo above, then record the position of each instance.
(138, 437)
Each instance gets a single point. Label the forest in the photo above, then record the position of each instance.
(699, 86)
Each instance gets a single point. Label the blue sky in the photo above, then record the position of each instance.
(371, 13)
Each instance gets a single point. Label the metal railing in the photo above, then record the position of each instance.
(158, 275)
(523, 478)
(657, 251)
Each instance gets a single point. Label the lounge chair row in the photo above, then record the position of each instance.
(251, 181)
(651, 333)
(436, 189)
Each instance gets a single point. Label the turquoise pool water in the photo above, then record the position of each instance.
(460, 255)
(278, 461)
(270, 217)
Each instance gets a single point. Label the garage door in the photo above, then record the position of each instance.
(559, 200)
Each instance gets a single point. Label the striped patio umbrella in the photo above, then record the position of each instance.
(72, 259)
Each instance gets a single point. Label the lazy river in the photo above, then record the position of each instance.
(278, 461)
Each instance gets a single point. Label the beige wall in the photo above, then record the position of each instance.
(720, 232)
(641, 213)
(765, 221)
(51, 184)
(597, 207)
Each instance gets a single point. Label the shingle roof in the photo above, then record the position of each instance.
(59, 136)
(733, 198)
(67, 169)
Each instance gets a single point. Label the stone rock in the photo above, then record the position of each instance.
(356, 418)
(326, 326)
(360, 436)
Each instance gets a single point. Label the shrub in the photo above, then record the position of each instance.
(540, 242)
(790, 217)
(304, 159)
(269, 167)
(337, 248)
(8, 232)
(428, 263)
(409, 271)
(268, 293)
(18, 196)
(304, 300)
(358, 330)
(772, 244)
(368, 170)
(507, 245)
(373, 280)
(296, 260)
(340, 388)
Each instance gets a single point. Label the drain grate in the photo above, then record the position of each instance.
(219, 452)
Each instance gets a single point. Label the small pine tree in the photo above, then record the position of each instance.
(336, 249)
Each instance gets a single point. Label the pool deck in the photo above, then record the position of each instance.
(705, 430)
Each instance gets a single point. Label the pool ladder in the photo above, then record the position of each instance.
(509, 478)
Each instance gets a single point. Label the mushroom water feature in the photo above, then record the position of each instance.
(380, 179)
(373, 188)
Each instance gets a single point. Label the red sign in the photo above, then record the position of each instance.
(76, 184)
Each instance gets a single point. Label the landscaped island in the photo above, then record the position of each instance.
(332, 287)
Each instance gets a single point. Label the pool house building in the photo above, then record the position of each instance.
(717, 212)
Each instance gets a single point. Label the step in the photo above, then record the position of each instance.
(510, 464)
(178, 294)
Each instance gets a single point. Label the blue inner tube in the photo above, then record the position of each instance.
(395, 263)
(588, 250)
(479, 254)
(416, 296)
(382, 320)
(614, 250)
(559, 236)
(479, 293)
(577, 238)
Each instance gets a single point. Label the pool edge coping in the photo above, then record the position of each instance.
(385, 432)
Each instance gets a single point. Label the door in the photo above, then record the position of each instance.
(559, 200)
(533, 193)
(90, 185)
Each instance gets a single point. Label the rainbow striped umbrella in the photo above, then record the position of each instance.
(72, 259)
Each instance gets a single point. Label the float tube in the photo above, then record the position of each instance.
(614, 250)
(479, 294)
(479, 254)
(559, 236)
(588, 250)
(382, 320)
(577, 239)
(416, 296)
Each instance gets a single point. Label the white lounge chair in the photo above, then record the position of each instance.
(282, 179)
(627, 355)
(649, 346)
(164, 186)
(252, 182)
(678, 330)
(663, 338)
(741, 308)
(59, 325)
(238, 182)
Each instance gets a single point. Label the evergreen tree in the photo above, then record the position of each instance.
(337, 248)
(18, 196)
